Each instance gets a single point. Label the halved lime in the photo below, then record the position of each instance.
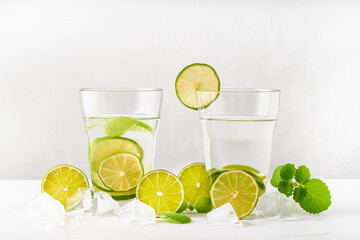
(119, 196)
(256, 174)
(65, 183)
(121, 172)
(197, 76)
(195, 181)
(161, 190)
(104, 147)
(237, 188)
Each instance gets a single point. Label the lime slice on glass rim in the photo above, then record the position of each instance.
(237, 188)
(197, 76)
(65, 183)
(161, 190)
(104, 147)
(121, 172)
(195, 181)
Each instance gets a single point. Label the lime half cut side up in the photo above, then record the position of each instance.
(161, 190)
(237, 188)
(195, 181)
(65, 183)
(197, 76)
(121, 172)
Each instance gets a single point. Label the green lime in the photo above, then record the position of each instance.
(118, 126)
(203, 204)
(195, 181)
(197, 76)
(161, 190)
(104, 147)
(237, 188)
(65, 183)
(121, 172)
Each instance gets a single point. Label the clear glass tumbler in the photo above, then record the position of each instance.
(238, 127)
(120, 121)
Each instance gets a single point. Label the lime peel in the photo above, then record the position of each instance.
(177, 217)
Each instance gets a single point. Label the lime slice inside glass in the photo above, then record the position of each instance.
(65, 183)
(121, 172)
(102, 148)
(197, 76)
(195, 181)
(237, 188)
(120, 125)
(161, 190)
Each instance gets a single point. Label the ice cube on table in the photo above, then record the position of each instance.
(45, 207)
(273, 205)
(136, 212)
(224, 214)
(86, 204)
(46, 212)
(104, 205)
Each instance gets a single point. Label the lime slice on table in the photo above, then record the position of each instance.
(197, 76)
(121, 172)
(118, 196)
(195, 181)
(161, 190)
(104, 147)
(237, 188)
(65, 183)
(256, 174)
(120, 125)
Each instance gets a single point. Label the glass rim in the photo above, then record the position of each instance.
(121, 90)
(242, 90)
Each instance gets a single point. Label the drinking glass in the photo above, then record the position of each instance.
(238, 127)
(129, 117)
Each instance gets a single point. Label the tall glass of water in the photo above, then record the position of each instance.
(238, 127)
(121, 125)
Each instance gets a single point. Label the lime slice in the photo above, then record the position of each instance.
(197, 76)
(120, 125)
(118, 196)
(161, 190)
(121, 172)
(195, 181)
(102, 148)
(65, 183)
(237, 188)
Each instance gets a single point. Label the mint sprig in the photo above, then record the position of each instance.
(312, 194)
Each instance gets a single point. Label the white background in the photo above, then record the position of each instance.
(308, 49)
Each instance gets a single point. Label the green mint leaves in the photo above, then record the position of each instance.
(312, 194)
(174, 217)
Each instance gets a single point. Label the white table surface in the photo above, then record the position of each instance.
(340, 221)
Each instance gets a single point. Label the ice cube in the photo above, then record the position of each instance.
(273, 205)
(224, 214)
(45, 207)
(136, 212)
(104, 205)
(46, 212)
(86, 204)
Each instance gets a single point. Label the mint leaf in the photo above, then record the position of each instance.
(286, 187)
(317, 198)
(276, 179)
(299, 194)
(177, 217)
(302, 174)
(287, 171)
(203, 204)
